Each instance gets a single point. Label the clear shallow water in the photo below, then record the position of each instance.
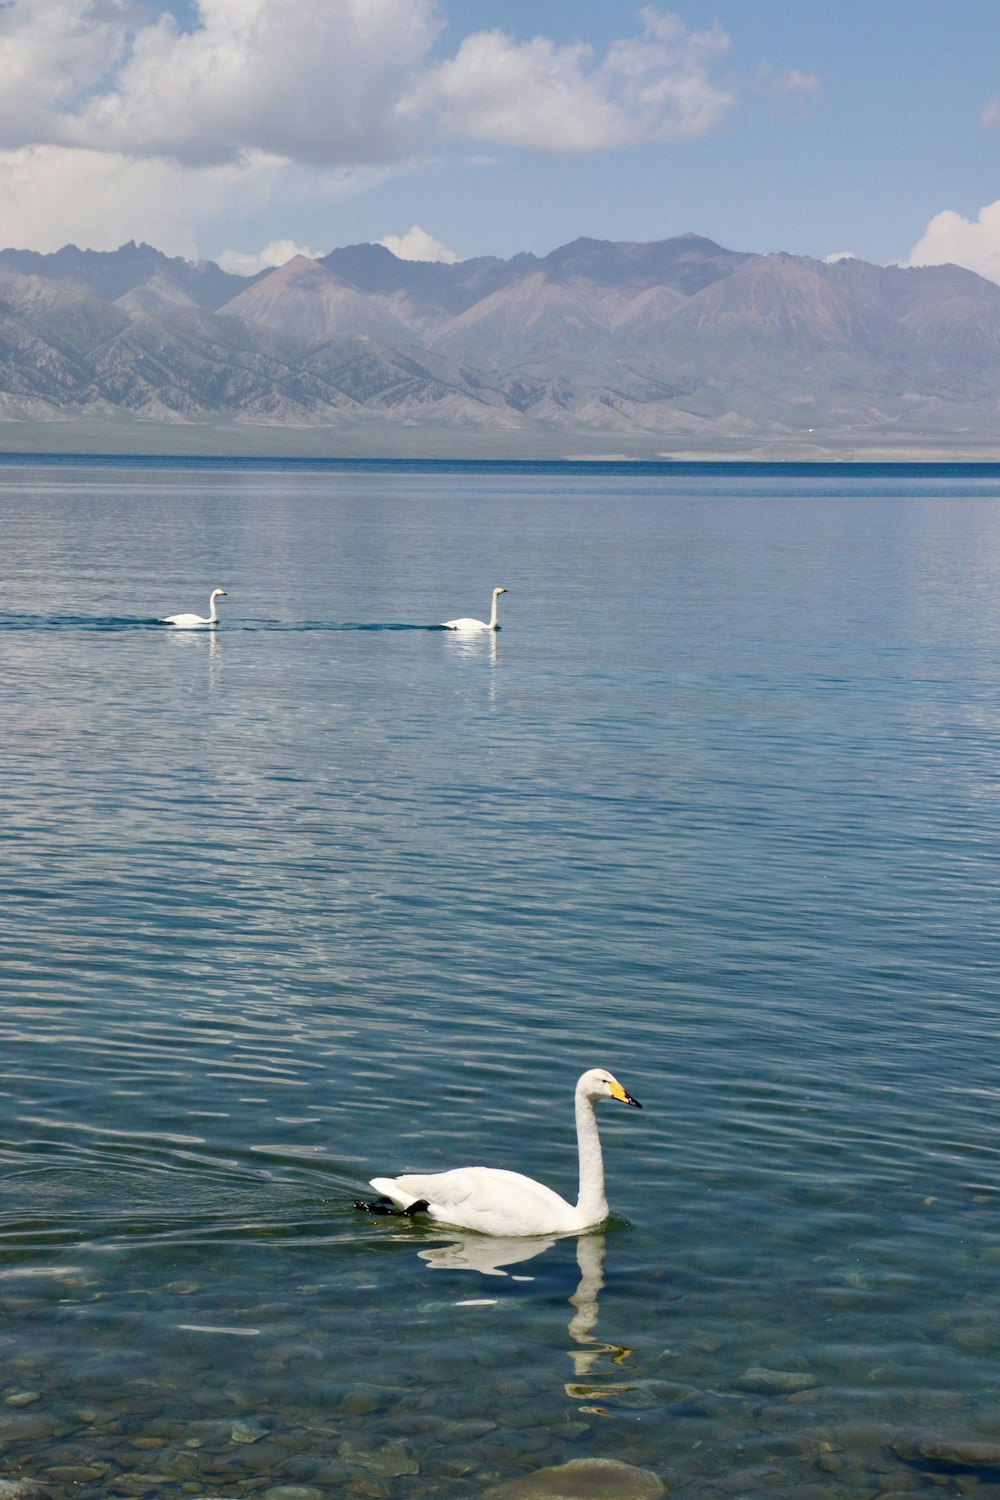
(333, 892)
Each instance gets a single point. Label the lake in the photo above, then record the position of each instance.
(331, 893)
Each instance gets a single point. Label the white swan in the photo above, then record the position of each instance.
(466, 623)
(496, 1202)
(197, 622)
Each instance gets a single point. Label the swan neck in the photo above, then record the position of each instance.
(592, 1205)
(493, 613)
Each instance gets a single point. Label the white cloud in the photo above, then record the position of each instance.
(974, 243)
(791, 88)
(336, 82)
(274, 254)
(418, 245)
(797, 82)
(537, 94)
(315, 82)
(120, 119)
(990, 117)
(838, 255)
(51, 53)
(53, 196)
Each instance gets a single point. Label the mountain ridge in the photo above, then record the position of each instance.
(662, 343)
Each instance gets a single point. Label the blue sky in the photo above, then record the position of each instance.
(244, 130)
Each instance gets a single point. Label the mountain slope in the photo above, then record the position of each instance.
(679, 337)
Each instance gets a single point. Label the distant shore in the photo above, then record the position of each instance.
(374, 440)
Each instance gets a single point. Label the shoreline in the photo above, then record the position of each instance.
(374, 442)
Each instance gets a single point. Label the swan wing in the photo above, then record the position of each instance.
(188, 622)
(465, 623)
(487, 1199)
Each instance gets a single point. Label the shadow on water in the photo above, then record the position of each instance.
(304, 626)
(104, 623)
(119, 623)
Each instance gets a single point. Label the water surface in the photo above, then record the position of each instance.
(331, 892)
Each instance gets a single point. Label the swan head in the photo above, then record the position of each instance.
(218, 593)
(498, 591)
(598, 1083)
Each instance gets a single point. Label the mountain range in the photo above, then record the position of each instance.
(674, 347)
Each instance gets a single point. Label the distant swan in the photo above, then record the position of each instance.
(466, 623)
(197, 622)
(493, 1201)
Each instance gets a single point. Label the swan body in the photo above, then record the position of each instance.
(197, 622)
(467, 623)
(493, 1201)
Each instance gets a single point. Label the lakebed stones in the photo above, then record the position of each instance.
(23, 1489)
(583, 1479)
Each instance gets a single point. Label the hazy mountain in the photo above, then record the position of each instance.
(681, 339)
(109, 274)
(302, 300)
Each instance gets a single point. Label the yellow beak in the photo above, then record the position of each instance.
(617, 1092)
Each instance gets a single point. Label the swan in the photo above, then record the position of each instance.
(197, 622)
(466, 623)
(493, 1201)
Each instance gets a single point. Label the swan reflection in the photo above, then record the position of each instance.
(488, 1256)
(472, 643)
(590, 1258)
(484, 1253)
(207, 641)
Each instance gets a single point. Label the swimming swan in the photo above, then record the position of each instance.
(197, 622)
(466, 623)
(493, 1201)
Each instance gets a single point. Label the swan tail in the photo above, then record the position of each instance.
(387, 1188)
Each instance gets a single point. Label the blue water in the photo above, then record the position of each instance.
(331, 893)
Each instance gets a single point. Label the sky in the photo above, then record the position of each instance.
(246, 131)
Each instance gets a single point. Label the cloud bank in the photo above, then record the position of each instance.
(655, 87)
(118, 121)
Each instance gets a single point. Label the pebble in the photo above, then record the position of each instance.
(77, 1473)
(248, 1432)
(962, 1453)
(23, 1489)
(583, 1479)
(26, 1429)
(390, 1462)
(362, 1401)
(138, 1483)
(762, 1381)
(293, 1492)
(23, 1398)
